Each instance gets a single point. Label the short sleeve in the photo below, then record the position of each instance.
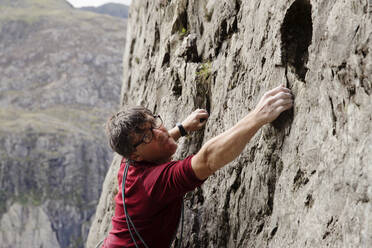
(171, 180)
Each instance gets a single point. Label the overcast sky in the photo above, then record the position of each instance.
(82, 3)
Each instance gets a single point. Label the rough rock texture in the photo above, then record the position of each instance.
(306, 179)
(33, 225)
(61, 72)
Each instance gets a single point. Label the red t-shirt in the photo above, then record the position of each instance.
(153, 196)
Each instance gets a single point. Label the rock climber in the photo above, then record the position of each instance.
(154, 184)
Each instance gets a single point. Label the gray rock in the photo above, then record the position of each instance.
(303, 181)
(32, 226)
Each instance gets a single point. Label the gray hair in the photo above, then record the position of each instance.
(122, 127)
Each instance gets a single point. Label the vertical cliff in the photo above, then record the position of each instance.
(306, 179)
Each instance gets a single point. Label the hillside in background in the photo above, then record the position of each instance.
(61, 71)
(112, 9)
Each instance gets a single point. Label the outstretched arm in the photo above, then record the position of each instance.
(193, 122)
(225, 147)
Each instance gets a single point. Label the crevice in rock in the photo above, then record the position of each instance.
(227, 28)
(190, 50)
(367, 86)
(276, 167)
(181, 23)
(225, 222)
(238, 3)
(271, 185)
(237, 182)
(260, 228)
(344, 76)
(201, 28)
(155, 47)
(128, 85)
(203, 87)
(273, 232)
(326, 234)
(266, 33)
(334, 118)
(166, 60)
(177, 85)
(331, 227)
(296, 33)
(193, 201)
(330, 222)
(299, 180)
(166, 57)
(132, 43)
(309, 202)
(234, 27)
(155, 108)
(208, 102)
(202, 99)
(220, 36)
(263, 61)
(356, 31)
(363, 75)
(225, 32)
(238, 74)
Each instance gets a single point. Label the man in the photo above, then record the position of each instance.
(154, 185)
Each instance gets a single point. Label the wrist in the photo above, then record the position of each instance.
(186, 127)
(256, 120)
(182, 129)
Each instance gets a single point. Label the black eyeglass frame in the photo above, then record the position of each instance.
(153, 126)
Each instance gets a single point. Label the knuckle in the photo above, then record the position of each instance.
(271, 100)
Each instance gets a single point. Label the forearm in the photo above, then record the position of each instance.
(225, 147)
(175, 133)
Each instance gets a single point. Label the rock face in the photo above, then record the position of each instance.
(61, 74)
(34, 225)
(306, 179)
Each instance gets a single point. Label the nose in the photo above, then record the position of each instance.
(160, 131)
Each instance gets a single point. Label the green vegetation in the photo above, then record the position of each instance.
(28, 15)
(33, 11)
(204, 72)
(57, 119)
(32, 197)
(183, 32)
(76, 242)
(49, 4)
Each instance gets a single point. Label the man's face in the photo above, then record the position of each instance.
(160, 149)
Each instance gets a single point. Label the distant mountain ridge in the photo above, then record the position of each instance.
(60, 4)
(112, 9)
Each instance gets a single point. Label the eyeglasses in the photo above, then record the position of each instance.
(148, 135)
